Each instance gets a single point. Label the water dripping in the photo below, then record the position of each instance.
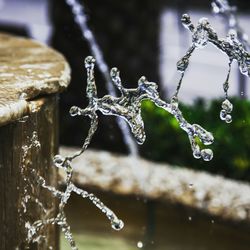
(28, 196)
(140, 244)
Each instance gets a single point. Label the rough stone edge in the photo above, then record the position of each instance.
(211, 194)
(17, 108)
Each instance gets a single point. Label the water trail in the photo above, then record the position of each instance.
(81, 19)
(29, 200)
(203, 34)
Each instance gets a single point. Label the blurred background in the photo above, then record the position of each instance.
(147, 38)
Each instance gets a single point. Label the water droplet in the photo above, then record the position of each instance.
(200, 36)
(207, 154)
(117, 225)
(58, 161)
(186, 21)
(197, 154)
(23, 119)
(223, 115)
(228, 118)
(182, 64)
(89, 62)
(75, 111)
(139, 244)
(114, 72)
(227, 106)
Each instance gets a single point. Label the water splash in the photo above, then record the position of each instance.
(81, 19)
(128, 107)
(203, 34)
(29, 200)
(63, 196)
(229, 14)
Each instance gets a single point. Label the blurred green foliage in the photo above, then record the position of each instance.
(166, 142)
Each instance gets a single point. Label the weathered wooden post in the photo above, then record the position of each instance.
(31, 75)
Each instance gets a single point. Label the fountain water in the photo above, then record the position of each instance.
(229, 15)
(34, 229)
(223, 8)
(127, 106)
(81, 19)
(203, 34)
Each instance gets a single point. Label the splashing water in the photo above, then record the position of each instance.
(203, 34)
(28, 198)
(223, 8)
(81, 19)
(229, 15)
(60, 219)
(128, 107)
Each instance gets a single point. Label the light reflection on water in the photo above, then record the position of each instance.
(152, 225)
